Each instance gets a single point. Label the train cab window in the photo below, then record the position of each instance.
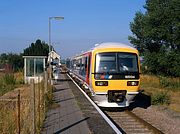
(116, 65)
(105, 62)
(127, 62)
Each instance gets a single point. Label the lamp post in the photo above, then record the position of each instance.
(50, 18)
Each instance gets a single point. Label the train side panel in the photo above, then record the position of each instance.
(80, 68)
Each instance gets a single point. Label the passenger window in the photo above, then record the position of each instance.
(84, 66)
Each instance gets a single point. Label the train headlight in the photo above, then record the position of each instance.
(132, 83)
(101, 83)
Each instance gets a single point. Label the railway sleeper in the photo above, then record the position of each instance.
(138, 131)
(136, 126)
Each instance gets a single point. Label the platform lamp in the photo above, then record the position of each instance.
(51, 18)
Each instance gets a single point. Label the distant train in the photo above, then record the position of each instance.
(110, 71)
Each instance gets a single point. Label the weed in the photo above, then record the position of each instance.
(160, 97)
(9, 79)
(7, 120)
(7, 83)
(171, 83)
(48, 96)
(149, 81)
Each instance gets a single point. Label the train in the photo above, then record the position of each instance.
(109, 71)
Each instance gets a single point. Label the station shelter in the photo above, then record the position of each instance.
(34, 68)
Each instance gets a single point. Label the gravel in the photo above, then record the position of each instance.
(160, 117)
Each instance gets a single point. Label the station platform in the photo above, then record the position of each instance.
(74, 114)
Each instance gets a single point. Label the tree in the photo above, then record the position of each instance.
(156, 34)
(158, 28)
(39, 48)
(15, 60)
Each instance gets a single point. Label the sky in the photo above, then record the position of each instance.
(86, 23)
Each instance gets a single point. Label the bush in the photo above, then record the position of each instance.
(163, 63)
(160, 98)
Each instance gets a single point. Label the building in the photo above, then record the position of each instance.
(54, 58)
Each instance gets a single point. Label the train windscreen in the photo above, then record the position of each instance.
(116, 65)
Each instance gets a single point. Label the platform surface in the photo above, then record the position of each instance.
(66, 117)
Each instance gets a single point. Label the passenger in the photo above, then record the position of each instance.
(123, 67)
(103, 68)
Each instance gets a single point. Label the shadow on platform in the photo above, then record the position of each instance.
(58, 101)
(66, 128)
(59, 90)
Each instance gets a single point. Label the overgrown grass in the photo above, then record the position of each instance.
(8, 121)
(8, 110)
(160, 98)
(163, 90)
(170, 83)
(50, 104)
(49, 96)
(7, 83)
(160, 82)
(9, 79)
(149, 81)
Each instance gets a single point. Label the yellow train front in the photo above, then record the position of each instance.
(110, 71)
(114, 75)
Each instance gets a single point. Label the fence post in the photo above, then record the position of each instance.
(45, 81)
(19, 115)
(45, 89)
(39, 103)
(33, 106)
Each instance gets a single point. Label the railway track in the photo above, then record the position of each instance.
(123, 121)
(130, 123)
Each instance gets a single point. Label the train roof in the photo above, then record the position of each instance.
(107, 45)
(112, 45)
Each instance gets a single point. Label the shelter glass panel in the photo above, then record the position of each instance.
(39, 66)
(29, 67)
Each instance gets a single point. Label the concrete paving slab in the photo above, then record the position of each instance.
(67, 118)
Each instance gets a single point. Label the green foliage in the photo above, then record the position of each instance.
(160, 98)
(7, 83)
(9, 79)
(169, 83)
(16, 60)
(158, 28)
(39, 48)
(162, 63)
(156, 34)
